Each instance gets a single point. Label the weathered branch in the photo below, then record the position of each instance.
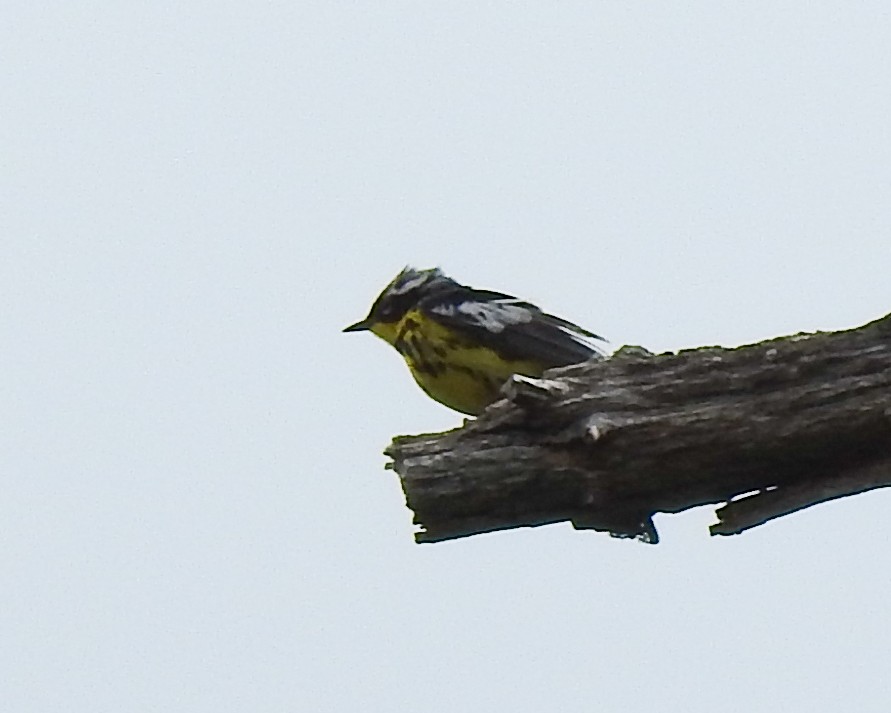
(768, 429)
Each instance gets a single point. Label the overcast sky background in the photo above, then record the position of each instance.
(195, 198)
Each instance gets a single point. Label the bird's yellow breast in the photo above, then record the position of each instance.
(464, 376)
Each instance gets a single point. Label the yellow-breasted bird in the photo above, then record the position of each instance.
(461, 344)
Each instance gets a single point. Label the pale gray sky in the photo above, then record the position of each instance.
(197, 196)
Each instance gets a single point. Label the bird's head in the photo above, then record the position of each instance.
(397, 298)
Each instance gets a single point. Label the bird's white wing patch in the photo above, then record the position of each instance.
(444, 310)
(496, 315)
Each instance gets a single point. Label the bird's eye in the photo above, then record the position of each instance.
(393, 307)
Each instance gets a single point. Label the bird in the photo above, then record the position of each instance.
(462, 344)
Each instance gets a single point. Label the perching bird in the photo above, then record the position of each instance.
(462, 344)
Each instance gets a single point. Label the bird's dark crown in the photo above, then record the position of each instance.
(405, 291)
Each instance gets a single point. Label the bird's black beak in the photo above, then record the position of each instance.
(361, 326)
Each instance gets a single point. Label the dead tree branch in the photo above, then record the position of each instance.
(767, 429)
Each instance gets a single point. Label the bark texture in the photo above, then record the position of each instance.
(765, 430)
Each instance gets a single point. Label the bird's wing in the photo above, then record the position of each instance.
(517, 330)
